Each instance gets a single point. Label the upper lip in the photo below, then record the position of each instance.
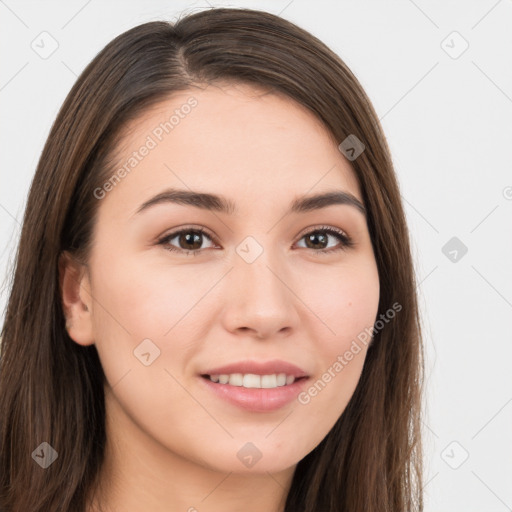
(258, 368)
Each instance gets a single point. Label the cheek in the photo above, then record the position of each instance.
(142, 300)
(136, 303)
(344, 299)
(346, 302)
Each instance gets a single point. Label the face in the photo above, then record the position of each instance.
(178, 288)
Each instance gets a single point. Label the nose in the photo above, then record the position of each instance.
(260, 299)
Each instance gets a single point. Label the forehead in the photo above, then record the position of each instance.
(232, 139)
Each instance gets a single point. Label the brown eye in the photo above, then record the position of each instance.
(316, 240)
(188, 241)
(319, 240)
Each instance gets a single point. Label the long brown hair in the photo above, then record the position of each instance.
(51, 389)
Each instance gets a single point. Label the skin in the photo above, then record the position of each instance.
(172, 444)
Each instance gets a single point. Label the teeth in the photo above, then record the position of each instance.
(250, 380)
(269, 381)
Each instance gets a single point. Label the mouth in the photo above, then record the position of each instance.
(255, 393)
(255, 385)
(252, 380)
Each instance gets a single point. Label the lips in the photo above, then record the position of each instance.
(275, 366)
(259, 400)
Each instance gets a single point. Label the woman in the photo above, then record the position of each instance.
(213, 305)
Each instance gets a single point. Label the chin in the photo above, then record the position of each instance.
(249, 459)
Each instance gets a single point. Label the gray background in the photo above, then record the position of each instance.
(447, 113)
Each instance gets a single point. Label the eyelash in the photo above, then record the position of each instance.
(346, 241)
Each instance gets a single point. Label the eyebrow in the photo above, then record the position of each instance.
(221, 204)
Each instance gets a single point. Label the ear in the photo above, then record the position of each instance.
(76, 299)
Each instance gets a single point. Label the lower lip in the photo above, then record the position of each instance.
(256, 399)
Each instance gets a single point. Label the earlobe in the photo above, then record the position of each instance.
(76, 299)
